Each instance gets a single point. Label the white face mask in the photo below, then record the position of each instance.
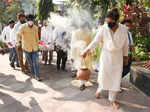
(30, 23)
(128, 28)
(40, 25)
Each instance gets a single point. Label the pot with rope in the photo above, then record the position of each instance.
(83, 73)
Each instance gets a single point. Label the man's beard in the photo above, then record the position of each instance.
(22, 22)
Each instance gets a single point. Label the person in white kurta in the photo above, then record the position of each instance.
(114, 47)
(47, 38)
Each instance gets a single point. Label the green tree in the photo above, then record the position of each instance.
(44, 7)
(96, 7)
(9, 11)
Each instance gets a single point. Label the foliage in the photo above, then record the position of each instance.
(96, 7)
(143, 47)
(44, 7)
(0, 43)
(8, 11)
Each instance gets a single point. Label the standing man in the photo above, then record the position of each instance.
(126, 69)
(28, 34)
(6, 38)
(62, 45)
(114, 40)
(21, 21)
(81, 38)
(47, 38)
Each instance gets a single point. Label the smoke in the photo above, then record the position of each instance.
(80, 18)
(74, 18)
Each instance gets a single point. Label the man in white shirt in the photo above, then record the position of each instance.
(47, 38)
(6, 38)
(126, 69)
(62, 45)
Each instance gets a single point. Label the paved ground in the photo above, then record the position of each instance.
(59, 93)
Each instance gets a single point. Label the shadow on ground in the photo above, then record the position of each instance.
(66, 90)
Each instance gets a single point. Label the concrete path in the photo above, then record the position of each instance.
(58, 92)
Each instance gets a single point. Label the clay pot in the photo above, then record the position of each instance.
(83, 74)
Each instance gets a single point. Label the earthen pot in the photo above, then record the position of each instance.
(83, 74)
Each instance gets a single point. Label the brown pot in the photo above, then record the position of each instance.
(83, 74)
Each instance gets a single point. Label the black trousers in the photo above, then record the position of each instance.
(126, 69)
(61, 59)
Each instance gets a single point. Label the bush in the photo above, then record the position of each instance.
(142, 47)
(0, 43)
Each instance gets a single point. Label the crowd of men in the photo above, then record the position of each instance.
(28, 37)
(24, 38)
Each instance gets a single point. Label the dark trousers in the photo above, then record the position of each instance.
(48, 56)
(126, 69)
(61, 59)
(13, 56)
(24, 66)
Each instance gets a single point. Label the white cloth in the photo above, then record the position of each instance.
(47, 37)
(114, 47)
(12, 38)
(47, 34)
(7, 35)
(112, 94)
(15, 31)
(131, 39)
(60, 40)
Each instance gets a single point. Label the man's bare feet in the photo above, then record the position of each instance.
(98, 95)
(115, 105)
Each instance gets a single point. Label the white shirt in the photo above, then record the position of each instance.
(61, 41)
(6, 34)
(12, 38)
(16, 29)
(47, 34)
(131, 39)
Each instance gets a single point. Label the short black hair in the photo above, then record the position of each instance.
(126, 20)
(21, 15)
(11, 21)
(30, 17)
(113, 14)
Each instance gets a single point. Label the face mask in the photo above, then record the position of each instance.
(40, 25)
(128, 28)
(111, 24)
(30, 23)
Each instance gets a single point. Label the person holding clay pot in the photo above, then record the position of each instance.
(114, 48)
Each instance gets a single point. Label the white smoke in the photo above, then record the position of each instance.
(75, 18)
(80, 18)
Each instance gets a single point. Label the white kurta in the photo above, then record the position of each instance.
(114, 47)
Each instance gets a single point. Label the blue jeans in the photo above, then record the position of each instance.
(32, 58)
(13, 56)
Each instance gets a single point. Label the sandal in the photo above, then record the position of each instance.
(82, 87)
(37, 78)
